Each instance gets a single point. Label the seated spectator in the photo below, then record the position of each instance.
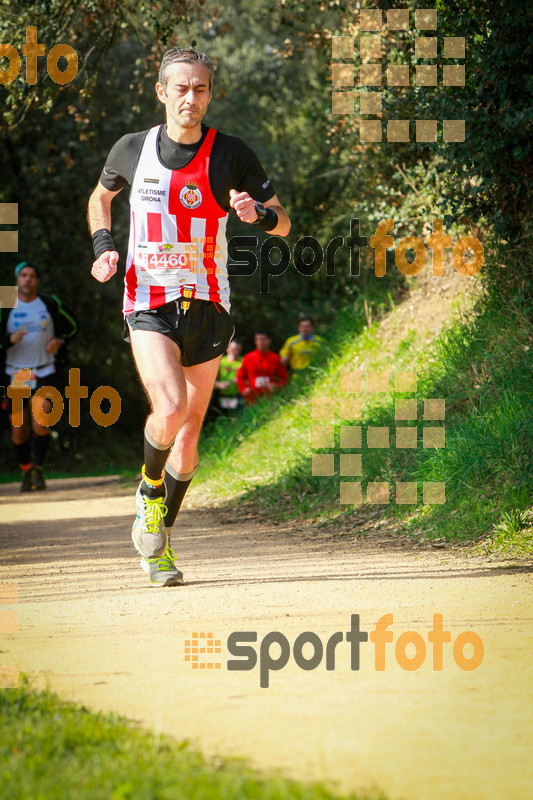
(261, 371)
(298, 351)
(229, 399)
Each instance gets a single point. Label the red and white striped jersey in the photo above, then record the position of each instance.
(177, 232)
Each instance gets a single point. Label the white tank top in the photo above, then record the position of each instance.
(33, 318)
(177, 232)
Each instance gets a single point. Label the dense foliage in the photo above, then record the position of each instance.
(273, 89)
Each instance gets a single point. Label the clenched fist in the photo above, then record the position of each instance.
(53, 345)
(105, 266)
(17, 336)
(243, 205)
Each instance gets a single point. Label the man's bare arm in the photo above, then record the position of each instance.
(99, 217)
(99, 210)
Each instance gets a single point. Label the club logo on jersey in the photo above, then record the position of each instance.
(190, 196)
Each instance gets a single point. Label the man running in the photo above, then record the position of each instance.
(229, 399)
(261, 371)
(33, 336)
(184, 178)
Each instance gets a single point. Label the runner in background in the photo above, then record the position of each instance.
(33, 336)
(298, 351)
(229, 399)
(261, 371)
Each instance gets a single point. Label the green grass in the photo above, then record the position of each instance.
(481, 365)
(513, 535)
(52, 750)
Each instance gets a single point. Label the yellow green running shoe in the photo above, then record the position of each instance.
(163, 570)
(148, 534)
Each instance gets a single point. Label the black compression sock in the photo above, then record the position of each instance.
(40, 446)
(23, 453)
(153, 491)
(155, 458)
(176, 485)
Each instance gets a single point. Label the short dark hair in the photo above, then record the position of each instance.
(187, 55)
(262, 332)
(307, 319)
(23, 264)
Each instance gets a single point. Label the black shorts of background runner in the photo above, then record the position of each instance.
(48, 380)
(202, 333)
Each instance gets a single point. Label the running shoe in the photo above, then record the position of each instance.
(27, 481)
(38, 479)
(163, 570)
(148, 534)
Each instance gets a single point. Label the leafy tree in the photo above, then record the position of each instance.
(272, 88)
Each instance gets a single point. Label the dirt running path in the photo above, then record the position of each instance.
(91, 628)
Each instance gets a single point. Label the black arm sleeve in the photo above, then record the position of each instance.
(121, 161)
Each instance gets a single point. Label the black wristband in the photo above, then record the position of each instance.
(268, 222)
(102, 241)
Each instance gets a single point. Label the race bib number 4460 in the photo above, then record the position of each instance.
(165, 264)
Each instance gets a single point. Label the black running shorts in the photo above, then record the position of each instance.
(202, 332)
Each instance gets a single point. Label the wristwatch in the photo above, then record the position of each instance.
(261, 212)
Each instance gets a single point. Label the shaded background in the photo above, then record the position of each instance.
(273, 89)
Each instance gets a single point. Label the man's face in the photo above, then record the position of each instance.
(305, 328)
(262, 342)
(187, 95)
(27, 281)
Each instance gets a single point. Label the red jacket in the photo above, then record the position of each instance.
(258, 371)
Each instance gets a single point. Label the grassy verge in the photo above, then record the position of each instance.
(481, 365)
(56, 751)
(512, 536)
